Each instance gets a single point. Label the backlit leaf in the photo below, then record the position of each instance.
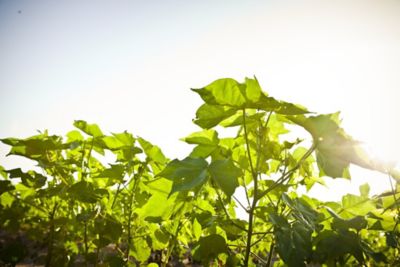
(115, 172)
(205, 137)
(186, 174)
(208, 116)
(222, 92)
(196, 229)
(152, 151)
(90, 129)
(225, 174)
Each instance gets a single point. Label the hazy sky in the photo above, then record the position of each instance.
(128, 65)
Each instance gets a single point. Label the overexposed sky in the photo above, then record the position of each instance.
(128, 65)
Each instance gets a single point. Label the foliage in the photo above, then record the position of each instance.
(117, 200)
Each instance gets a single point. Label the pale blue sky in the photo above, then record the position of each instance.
(128, 65)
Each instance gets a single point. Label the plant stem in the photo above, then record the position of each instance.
(116, 195)
(86, 243)
(51, 237)
(240, 203)
(171, 248)
(271, 252)
(136, 178)
(255, 198)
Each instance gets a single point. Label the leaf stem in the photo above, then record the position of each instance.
(240, 203)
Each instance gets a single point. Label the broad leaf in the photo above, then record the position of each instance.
(209, 247)
(230, 93)
(197, 230)
(225, 174)
(114, 173)
(5, 186)
(223, 92)
(344, 242)
(186, 174)
(294, 244)
(208, 116)
(205, 137)
(335, 149)
(152, 151)
(90, 129)
(30, 178)
(86, 192)
(356, 223)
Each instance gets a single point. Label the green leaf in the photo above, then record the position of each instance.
(125, 138)
(35, 147)
(222, 92)
(202, 151)
(209, 248)
(160, 239)
(115, 261)
(86, 216)
(197, 230)
(186, 174)
(335, 149)
(225, 174)
(294, 244)
(6, 186)
(112, 143)
(278, 220)
(108, 228)
(2, 172)
(141, 250)
(152, 151)
(334, 146)
(344, 242)
(86, 192)
(302, 211)
(280, 107)
(230, 93)
(157, 206)
(116, 172)
(364, 190)
(205, 137)
(208, 116)
(376, 256)
(392, 239)
(237, 119)
(253, 89)
(356, 205)
(357, 223)
(90, 129)
(74, 135)
(29, 179)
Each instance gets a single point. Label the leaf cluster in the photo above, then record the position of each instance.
(116, 199)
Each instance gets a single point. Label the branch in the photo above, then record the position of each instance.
(227, 214)
(286, 175)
